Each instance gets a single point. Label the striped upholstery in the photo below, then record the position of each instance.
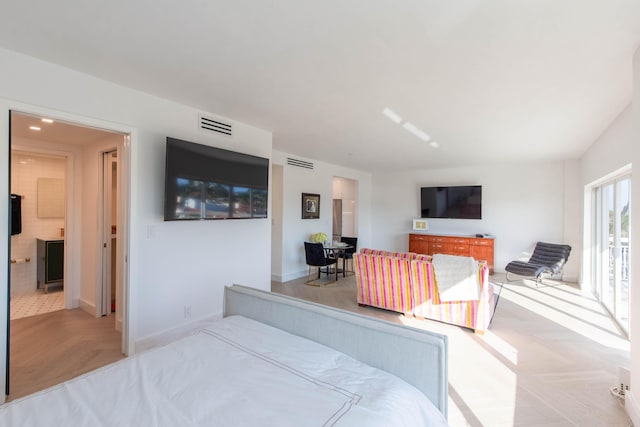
(475, 315)
(406, 284)
(405, 255)
(384, 282)
(422, 257)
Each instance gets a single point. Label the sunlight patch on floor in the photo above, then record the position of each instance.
(588, 320)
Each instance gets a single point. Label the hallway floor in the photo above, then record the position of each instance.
(50, 348)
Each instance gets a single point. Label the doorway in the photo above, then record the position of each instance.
(345, 206)
(612, 232)
(83, 149)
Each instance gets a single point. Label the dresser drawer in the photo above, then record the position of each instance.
(438, 239)
(458, 240)
(438, 247)
(482, 242)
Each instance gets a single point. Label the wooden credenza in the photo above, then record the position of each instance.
(480, 248)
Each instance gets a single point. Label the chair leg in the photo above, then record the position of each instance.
(313, 282)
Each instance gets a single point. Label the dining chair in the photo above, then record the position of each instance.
(347, 254)
(317, 258)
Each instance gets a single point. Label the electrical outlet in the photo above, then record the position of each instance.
(187, 311)
(624, 378)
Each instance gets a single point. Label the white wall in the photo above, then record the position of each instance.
(632, 402)
(171, 264)
(521, 204)
(276, 221)
(611, 151)
(296, 230)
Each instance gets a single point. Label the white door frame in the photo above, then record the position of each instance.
(124, 177)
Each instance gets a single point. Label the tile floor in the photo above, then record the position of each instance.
(36, 302)
(549, 358)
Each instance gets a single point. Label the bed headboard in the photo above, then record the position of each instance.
(418, 357)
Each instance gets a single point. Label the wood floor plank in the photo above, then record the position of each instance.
(50, 348)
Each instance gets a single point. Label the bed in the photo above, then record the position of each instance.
(272, 360)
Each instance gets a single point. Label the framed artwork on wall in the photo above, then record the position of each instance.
(310, 206)
(420, 224)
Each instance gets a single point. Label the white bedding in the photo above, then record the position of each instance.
(234, 372)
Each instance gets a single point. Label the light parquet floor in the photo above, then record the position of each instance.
(50, 348)
(550, 356)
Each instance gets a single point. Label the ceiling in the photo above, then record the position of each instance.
(488, 80)
(45, 129)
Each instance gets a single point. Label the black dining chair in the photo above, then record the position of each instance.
(347, 254)
(316, 258)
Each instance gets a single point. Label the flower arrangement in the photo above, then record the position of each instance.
(319, 237)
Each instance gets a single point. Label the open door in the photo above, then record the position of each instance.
(8, 260)
(109, 232)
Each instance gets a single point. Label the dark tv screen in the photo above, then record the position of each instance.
(204, 182)
(458, 202)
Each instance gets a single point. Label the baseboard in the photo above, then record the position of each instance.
(172, 334)
(288, 277)
(87, 307)
(632, 408)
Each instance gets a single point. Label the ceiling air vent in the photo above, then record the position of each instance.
(299, 163)
(215, 125)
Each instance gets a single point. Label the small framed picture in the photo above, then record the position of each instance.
(420, 224)
(310, 206)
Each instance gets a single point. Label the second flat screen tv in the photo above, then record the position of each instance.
(459, 202)
(204, 182)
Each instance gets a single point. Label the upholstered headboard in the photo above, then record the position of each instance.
(418, 357)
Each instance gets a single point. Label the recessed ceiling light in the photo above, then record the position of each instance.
(434, 144)
(47, 120)
(34, 128)
(392, 115)
(416, 131)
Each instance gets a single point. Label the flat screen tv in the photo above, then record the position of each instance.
(204, 182)
(459, 202)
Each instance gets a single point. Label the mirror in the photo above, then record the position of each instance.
(50, 198)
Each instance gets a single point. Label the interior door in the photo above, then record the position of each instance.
(108, 242)
(8, 261)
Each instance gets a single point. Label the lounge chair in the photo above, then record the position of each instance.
(546, 258)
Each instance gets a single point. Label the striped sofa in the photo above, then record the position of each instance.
(404, 282)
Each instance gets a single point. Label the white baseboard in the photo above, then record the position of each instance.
(172, 334)
(88, 307)
(290, 276)
(632, 408)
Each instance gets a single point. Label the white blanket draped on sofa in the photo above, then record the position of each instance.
(457, 277)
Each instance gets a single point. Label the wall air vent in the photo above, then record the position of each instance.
(299, 163)
(215, 125)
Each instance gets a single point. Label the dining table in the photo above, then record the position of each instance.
(334, 250)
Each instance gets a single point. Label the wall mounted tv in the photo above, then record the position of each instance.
(460, 202)
(203, 182)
